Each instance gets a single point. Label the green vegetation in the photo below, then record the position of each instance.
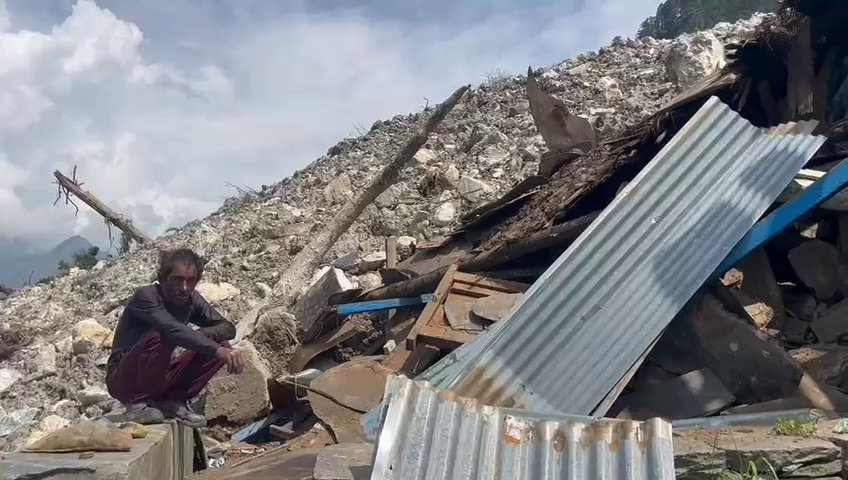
(795, 428)
(84, 260)
(751, 472)
(676, 17)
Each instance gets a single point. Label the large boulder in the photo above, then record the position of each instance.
(88, 335)
(243, 397)
(694, 57)
(311, 305)
(217, 292)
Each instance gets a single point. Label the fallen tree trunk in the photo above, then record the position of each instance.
(561, 234)
(308, 259)
(110, 215)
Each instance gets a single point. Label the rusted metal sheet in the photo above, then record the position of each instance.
(436, 435)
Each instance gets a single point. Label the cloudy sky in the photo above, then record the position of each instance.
(160, 103)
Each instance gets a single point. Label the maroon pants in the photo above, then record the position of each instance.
(147, 372)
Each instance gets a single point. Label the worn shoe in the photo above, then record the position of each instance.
(143, 414)
(182, 413)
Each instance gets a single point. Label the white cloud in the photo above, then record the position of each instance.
(157, 125)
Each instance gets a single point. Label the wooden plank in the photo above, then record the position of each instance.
(443, 337)
(473, 291)
(397, 359)
(801, 74)
(421, 358)
(438, 298)
(503, 286)
(391, 252)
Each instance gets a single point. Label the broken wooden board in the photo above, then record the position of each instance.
(409, 363)
(759, 283)
(696, 394)
(357, 384)
(306, 352)
(458, 316)
(806, 178)
(432, 327)
(560, 129)
(520, 192)
(495, 307)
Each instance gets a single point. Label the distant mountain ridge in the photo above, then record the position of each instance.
(16, 270)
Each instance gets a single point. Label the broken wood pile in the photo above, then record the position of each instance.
(769, 334)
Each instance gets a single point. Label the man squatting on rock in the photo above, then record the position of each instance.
(140, 372)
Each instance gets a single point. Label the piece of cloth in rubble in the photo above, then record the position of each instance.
(84, 437)
(148, 373)
(146, 311)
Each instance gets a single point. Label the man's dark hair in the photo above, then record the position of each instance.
(169, 258)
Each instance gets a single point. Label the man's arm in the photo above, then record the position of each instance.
(150, 310)
(211, 323)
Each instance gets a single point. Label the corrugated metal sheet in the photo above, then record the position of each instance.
(595, 311)
(436, 435)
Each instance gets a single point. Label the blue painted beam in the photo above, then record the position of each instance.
(362, 307)
(820, 191)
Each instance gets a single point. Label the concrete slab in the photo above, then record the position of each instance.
(346, 461)
(166, 453)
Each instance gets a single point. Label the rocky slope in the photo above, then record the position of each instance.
(53, 338)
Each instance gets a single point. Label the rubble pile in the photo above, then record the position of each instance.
(518, 170)
(483, 148)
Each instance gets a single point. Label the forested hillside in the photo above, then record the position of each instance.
(675, 17)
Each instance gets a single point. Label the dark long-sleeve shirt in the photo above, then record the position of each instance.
(146, 311)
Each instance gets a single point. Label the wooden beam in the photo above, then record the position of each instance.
(110, 215)
(308, 259)
(801, 79)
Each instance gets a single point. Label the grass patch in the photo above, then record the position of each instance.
(765, 471)
(795, 428)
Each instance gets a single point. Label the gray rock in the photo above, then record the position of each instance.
(8, 377)
(701, 453)
(263, 289)
(240, 398)
(493, 155)
(370, 281)
(405, 247)
(346, 461)
(348, 262)
(817, 264)
(373, 261)
(451, 174)
(45, 359)
(424, 156)
(389, 198)
(444, 215)
(473, 190)
(694, 57)
(339, 190)
(310, 307)
(92, 395)
(217, 292)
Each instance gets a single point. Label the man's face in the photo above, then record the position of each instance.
(181, 283)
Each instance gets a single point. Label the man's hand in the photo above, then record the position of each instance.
(233, 359)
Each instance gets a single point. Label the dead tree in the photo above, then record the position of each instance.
(308, 259)
(70, 185)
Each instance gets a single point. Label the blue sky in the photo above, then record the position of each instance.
(159, 103)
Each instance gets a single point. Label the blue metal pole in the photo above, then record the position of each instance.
(820, 191)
